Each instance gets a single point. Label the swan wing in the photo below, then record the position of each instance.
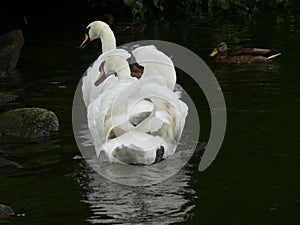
(151, 58)
(133, 118)
(100, 111)
(133, 147)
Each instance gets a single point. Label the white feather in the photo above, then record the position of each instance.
(129, 119)
(152, 59)
(89, 90)
(110, 120)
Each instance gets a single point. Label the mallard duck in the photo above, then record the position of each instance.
(244, 55)
(145, 56)
(134, 121)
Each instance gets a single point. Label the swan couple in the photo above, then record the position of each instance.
(133, 121)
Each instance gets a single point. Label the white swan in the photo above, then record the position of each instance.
(99, 29)
(134, 121)
(156, 63)
(94, 74)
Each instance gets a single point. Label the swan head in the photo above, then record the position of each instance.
(99, 30)
(113, 65)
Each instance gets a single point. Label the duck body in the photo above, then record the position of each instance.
(244, 55)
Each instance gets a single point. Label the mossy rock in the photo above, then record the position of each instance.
(29, 123)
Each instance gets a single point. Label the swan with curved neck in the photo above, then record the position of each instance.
(91, 82)
(147, 56)
(134, 121)
(99, 29)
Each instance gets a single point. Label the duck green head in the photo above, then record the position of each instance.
(221, 49)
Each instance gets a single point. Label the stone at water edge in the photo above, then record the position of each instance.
(11, 44)
(29, 123)
(6, 211)
(8, 163)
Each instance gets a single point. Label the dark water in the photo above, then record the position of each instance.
(255, 178)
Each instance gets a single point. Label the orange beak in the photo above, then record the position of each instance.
(85, 41)
(100, 77)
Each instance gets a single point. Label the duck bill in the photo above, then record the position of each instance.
(85, 41)
(214, 52)
(100, 77)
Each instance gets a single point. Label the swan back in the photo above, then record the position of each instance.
(133, 118)
(156, 64)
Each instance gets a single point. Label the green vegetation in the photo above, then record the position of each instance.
(250, 6)
(142, 8)
(139, 8)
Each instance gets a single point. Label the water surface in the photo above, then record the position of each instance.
(255, 178)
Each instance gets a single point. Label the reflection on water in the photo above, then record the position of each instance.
(38, 155)
(140, 175)
(167, 201)
(164, 203)
(250, 88)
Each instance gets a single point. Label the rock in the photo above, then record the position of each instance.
(6, 97)
(8, 163)
(6, 211)
(11, 44)
(3, 154)
(29, 123)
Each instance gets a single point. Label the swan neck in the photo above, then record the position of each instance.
(107, 39)
(124, 73)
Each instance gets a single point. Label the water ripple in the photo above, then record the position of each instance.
(163, 203)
